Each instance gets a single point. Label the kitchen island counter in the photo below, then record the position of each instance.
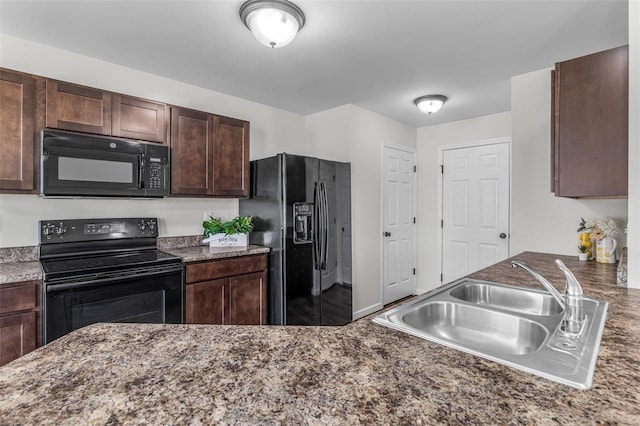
(361, 373)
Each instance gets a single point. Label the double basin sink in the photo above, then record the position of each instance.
(514, 326)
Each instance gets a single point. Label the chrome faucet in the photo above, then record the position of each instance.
(571, 301)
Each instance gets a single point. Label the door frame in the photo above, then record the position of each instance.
(471, 144)
(414, 153)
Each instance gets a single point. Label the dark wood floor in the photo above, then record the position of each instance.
(332, 307)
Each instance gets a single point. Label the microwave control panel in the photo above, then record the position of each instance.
(156, 175)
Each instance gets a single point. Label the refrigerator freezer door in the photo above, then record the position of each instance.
(302, 302)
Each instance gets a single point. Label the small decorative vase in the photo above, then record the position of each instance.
(583, 256)
(606, 250)
(585, 239)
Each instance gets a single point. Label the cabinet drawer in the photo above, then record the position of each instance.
(223, 268)
(18, 298)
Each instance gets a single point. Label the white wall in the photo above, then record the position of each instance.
(634, 144)
(430, 140)
(272, 131)
(539, 220)
(356, 135)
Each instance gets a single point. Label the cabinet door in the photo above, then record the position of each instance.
(191, 152)
(231, 157)
(591, 129)
(207, 302)
(78, 108)
(139, 119)
(248, 299)
(17, 131)
(17, 336)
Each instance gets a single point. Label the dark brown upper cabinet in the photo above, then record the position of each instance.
(191, 152)
(88, 110)
(17, 131)
(589, 135)
(230, 157)
(209, 154)
(78, 108)
(139, 119)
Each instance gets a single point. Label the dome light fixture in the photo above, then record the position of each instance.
(273, 23)
(430, 103)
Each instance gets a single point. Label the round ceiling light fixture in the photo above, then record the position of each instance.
(273, 23)
(430, 103)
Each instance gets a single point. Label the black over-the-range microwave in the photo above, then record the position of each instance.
(75, 164)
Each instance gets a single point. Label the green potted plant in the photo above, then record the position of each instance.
(583, 252)
(232, 233)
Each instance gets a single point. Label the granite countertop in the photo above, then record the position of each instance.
(362, 373)
(200, 252)
(20, 263)
(14, 272)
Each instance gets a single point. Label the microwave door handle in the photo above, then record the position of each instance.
(141, 171)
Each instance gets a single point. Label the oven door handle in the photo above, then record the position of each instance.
(91, 283)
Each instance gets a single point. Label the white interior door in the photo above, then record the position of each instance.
(398, 224)
(475, 209)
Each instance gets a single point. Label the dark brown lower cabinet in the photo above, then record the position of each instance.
(19, 319)
(227, 291)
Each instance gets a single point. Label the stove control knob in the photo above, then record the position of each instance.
(61, 230)
(142, 226)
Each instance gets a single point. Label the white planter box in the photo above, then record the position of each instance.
(222, 240)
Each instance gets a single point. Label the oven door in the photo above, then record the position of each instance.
(83, 165)
(154, 297)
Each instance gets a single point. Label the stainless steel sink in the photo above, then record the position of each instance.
(489, 331)
(510, 325)
(507, 297)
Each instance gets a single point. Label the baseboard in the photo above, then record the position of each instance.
(366, 311)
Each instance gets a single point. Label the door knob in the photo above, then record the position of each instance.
(387, 234)
(503, 235)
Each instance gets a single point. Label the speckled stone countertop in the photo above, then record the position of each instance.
(21, 264)
(13, 272)
(361, 373)
(197, 253)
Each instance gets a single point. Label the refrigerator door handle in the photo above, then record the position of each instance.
(316, 226)
(325, 225)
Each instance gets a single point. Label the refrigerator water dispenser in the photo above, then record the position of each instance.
(302, 220)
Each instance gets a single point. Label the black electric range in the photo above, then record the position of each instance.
(106, 270)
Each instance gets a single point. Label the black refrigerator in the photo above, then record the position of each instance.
(301, 207)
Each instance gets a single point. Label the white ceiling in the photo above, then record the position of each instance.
(377, 54)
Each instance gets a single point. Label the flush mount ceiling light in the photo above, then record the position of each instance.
(273, 23)
(430, 103)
